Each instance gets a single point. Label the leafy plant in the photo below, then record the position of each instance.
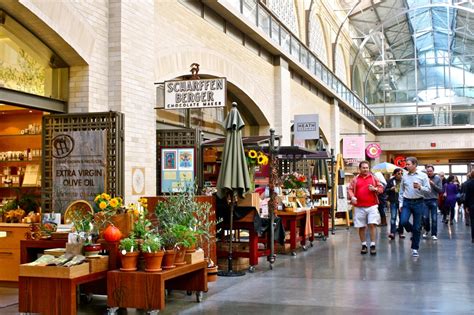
(169, 239)
(142, 225)
(152, 243)
(129, 244)
(184, 235)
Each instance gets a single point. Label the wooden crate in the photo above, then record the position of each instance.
(56, 252)
(250, 200)
(192, 258)
(54, 271)
(236, 246)
(98, 263)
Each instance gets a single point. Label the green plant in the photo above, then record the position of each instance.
(152, 243)
(142, 225)
(169, 239)
(128, 244)
(184, 235)
(29, 203)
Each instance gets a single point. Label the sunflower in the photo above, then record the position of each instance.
(102, 205)
(252, 154)
(114, 202)
(262, 159)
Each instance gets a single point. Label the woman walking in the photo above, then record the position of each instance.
(450, 191)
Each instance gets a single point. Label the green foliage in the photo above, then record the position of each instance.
(184, 235)
(142, 225)
(128, 244)
(152, 243)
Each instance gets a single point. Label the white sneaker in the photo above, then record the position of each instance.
(425, 235)
(414, 253)
(434, 238)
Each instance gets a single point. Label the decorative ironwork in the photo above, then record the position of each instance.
(112, 122)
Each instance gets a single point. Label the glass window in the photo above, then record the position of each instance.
(316, 38)
(250, 10)
(462, 169)
(263, 20)
(275, 31)
(304, 56)
(295, 48)
(285, 40)
(286, 12)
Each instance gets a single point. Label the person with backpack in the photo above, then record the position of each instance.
(363, 193)
(392, 190)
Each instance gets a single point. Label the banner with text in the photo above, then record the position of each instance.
(79, 166)
(306, 127)
(353, 147)
(195, 93)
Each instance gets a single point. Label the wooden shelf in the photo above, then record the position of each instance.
(20, 135)
(20, 187)
(33, 161)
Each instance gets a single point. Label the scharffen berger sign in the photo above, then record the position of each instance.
(195, 93)
(79, 166)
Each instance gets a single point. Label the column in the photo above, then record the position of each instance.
(335, 137)
(282, 112)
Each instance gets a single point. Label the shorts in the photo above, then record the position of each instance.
(366, 215)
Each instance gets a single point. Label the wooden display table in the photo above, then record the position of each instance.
(52, 295)
(292, 218)
(29, 249)
(146, 290)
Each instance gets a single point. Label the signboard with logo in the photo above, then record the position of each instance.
(306, 127)
(353, 147)
(373, 150)
(199, 93)
(79, 166)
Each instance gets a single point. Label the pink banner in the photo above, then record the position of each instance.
(353, 147)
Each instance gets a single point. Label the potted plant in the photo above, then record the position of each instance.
(152, 252)
(129, 253)
(185, 239)
(169, 243)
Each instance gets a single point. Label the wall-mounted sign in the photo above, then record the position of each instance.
(138, 180)
(400, 161)
(306, 127)
(353, 147)
(79, 166)
(373, 150)
(203, 93)
(177, 169)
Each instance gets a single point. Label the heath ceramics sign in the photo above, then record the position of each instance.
(306, 127)
(195, 93)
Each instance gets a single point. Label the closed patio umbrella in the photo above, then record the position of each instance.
(233, 177)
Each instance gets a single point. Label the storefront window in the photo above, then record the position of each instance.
(27, 65)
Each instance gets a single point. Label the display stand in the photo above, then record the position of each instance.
(340, 213)
(146, 290)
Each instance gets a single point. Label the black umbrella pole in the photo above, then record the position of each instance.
(230, 272)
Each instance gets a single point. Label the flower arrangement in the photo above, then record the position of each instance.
(105, 206)
(256, 158)
(294, 180)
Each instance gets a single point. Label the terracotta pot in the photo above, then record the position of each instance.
(211, 274)
(191, 249)
(180, 256)
(153, 261)
(129, 261)
(168, 259)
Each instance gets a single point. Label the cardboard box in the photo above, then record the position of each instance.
(54, 271)
(192, 258)
(250, 200)
(98, 263)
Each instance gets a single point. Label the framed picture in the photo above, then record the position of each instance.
(186, 159)
(168, 159)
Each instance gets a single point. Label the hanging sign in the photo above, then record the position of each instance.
(79, 166)
(400, 161)
(373, 150)
(353, 147)
(198, 93)
(306, 127)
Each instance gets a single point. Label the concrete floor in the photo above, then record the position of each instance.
(333, 278)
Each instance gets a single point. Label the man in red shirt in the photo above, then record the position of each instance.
(363, 191)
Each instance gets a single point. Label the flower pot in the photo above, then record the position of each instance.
(212, 274)
(92, 249)
(129, 261)
(191, 249)
(180, 256)
(168, 259)
(153, 261)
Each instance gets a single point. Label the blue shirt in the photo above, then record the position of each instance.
(406, 186)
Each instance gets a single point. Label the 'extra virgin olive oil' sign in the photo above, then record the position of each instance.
(79, 166)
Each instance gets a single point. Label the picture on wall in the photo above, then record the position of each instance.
(186, 159)
(168, 159)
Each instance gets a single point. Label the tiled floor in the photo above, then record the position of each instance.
(333, 278)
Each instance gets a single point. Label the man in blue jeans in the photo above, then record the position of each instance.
(431, 203)
(412, 189)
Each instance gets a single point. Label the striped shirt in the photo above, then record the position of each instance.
(406, 186)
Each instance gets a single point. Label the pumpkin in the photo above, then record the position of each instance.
(112, 234)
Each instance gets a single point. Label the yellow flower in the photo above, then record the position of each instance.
(102, 205)
(96, 198)
(114, 202)
(103, 196)
(252, 154)
(262, 159)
